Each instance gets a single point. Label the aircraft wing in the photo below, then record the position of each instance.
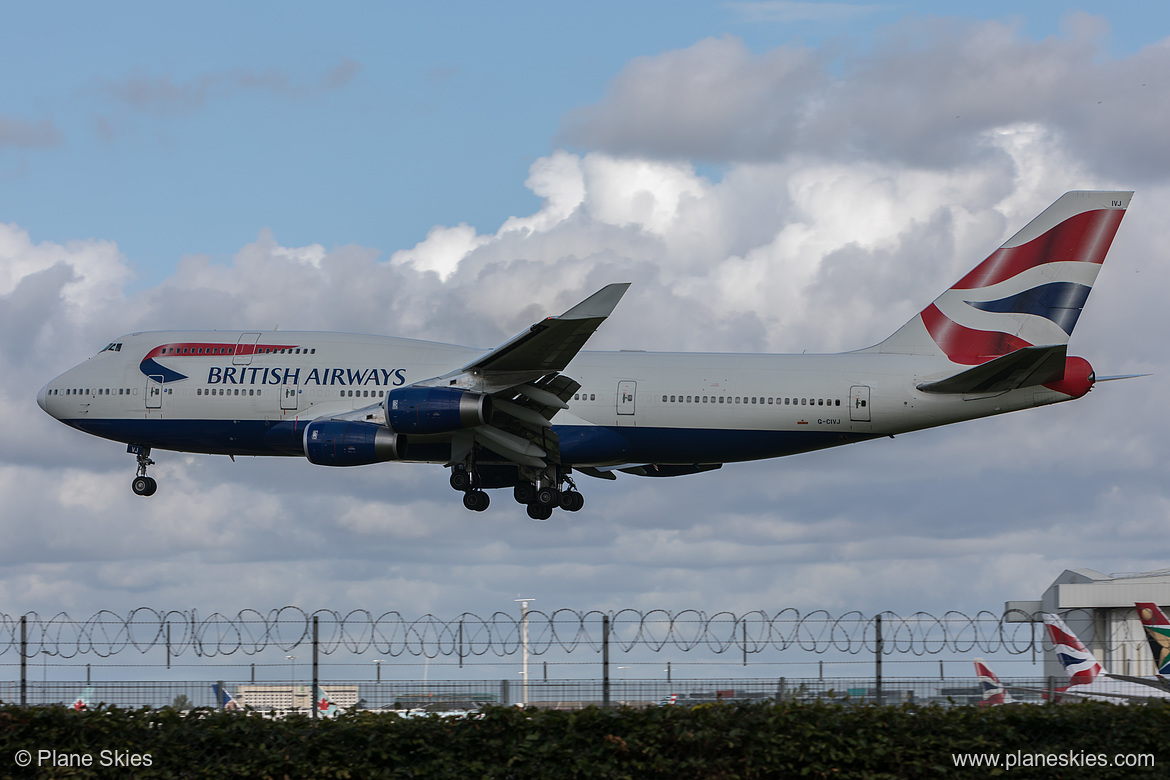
(523, 377)
(1158, 683)
(1023, 368)
(550, 344)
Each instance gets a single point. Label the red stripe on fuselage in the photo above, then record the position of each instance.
(206, 349)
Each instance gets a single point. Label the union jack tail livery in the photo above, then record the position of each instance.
(1019, 306)
(993, 691)
(1157, 632)
(1081, 665)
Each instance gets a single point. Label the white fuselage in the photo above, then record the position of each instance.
(245, 392)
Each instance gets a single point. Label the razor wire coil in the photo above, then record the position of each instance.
(468, 635)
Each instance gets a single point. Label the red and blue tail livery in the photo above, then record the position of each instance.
(994, 693)
(1080, 664)
(539, 413)
(1029, 292)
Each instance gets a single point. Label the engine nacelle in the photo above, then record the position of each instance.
(342, 443)
(425, 410)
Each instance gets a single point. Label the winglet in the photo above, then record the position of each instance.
(599, 304)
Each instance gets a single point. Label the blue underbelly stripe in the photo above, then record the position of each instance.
(579, 443)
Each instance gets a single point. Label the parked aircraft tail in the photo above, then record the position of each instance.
(82, 702)
(223, 699)
(1157, 632)
(1027, 294)
(993, 691)
(1080, 664)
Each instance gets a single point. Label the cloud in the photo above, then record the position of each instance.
(927, 96)
(784, 11)
(23, 134)
(163, 94)
(812, 245)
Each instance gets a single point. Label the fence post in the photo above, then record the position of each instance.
(313, 695)
(504, 696)
(780, 690)
(605, 660)
(878, 659)
(23, 660)
(168, 644)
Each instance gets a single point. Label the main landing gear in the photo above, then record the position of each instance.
(142, 484)
(548, 491)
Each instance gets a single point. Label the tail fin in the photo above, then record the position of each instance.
(1080, 664)
(993, 691)
(224, 699)
(1029, 292)
(324, 705)
(1157, 632)
(83, 702)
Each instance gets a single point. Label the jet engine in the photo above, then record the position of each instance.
(426, 410)
(342, 443)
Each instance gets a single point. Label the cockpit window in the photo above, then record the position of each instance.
(115, 346)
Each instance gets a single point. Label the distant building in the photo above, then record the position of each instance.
(293, 697)
(1099, 610)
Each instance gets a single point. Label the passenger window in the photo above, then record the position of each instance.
(593, 396)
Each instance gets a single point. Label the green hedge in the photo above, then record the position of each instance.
(708, 741)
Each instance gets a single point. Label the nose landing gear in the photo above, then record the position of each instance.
(142, 484)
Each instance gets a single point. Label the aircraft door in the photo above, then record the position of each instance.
(626, 397)
(859, 403)
(245, 348)
(154, 392)
(289, 395)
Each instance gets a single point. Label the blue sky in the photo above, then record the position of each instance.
(180, 131)
(771, 176)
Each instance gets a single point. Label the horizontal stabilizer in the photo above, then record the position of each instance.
(1023, 368)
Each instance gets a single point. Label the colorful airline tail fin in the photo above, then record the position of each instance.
(993, 691)
(1028, 293)
(324, 704)
(83, 702)
(1080, 664)
(224, 699)
(1157, 632)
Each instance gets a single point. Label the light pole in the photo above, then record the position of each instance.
(292, 684)
(378, 666)
(524, 646)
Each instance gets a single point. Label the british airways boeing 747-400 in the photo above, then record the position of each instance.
(537, 410)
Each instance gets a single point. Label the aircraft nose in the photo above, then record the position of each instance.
(41, 395)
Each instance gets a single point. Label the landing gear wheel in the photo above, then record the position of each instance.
(476, 500)
(524, 493)
(548, 497)
(572, 501)
(538, 512)
(460, 479)
(144, 486)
